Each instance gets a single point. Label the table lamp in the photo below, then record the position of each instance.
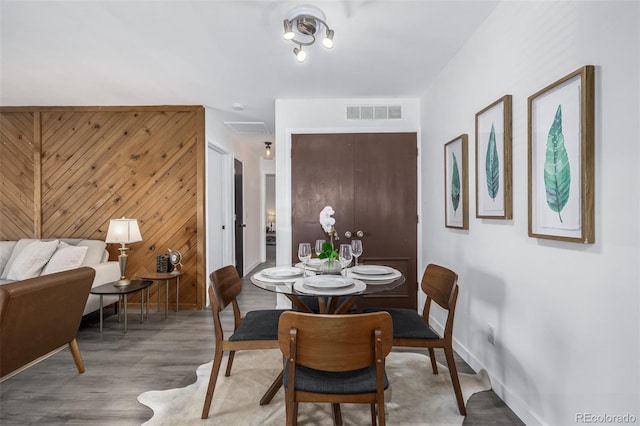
(123, 231)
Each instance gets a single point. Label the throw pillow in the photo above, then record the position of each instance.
(65, 257)
(96, 249)
(31, 260)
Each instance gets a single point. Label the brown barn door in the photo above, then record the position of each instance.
(371, 182)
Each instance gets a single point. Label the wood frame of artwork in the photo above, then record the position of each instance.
(493, 161)
(456, 194)
(561, 159)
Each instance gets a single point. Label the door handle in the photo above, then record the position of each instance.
(349, 234)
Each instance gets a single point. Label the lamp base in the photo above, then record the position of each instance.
(122, 283)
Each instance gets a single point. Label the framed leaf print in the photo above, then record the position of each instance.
(561, 159)
(456, 196)
(493, 160)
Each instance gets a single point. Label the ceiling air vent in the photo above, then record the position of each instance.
(374, 112)
(248, 127)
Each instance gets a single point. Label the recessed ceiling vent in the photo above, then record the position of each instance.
(374, 112)
(248, 127)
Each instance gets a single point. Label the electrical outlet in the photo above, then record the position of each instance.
(491, 334)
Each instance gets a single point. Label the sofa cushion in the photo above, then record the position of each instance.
(95, 251)
(31, 260)
(6, 247)
(17, 248)
(65, 257)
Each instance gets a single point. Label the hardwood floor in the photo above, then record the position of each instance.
(155, 355)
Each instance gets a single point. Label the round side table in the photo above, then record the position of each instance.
(165, 276)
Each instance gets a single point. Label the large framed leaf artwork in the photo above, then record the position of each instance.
(561, 159)
(456, 195)
(493, 160)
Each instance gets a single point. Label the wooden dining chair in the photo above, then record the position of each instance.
(335, 359)
(412, 330)
(257, 330)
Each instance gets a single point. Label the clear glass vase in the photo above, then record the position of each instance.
(331, 266)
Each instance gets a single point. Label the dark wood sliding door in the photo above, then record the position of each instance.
(371, 182)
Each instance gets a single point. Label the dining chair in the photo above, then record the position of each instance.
(413, 330)
(256, 330)
(335, 359)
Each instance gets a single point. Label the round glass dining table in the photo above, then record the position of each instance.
(332, 300)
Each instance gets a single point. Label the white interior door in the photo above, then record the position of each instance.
(217, 209)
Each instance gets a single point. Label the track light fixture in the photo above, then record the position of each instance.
(301, 28)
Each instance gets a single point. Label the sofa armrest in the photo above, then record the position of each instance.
(105, 273)
(39, 315)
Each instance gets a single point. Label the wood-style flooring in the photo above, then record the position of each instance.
(155, 355)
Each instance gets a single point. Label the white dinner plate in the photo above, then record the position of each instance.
(355, 288)
(258, 276)
(375, 279)
(315, 262)
(328, 281)
(282, 272)
(372, 270)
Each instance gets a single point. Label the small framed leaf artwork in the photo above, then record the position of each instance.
(561, 159)
(493, 160)
(456, 196)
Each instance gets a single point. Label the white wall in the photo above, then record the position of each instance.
(218, 134)
(566, 315)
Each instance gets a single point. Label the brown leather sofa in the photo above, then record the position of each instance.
(39, 315)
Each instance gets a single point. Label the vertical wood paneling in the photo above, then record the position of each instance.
(102, 163)
(17, 186)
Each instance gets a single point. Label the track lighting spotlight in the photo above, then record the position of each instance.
(301, 28)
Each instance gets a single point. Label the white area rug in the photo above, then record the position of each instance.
(415, 397)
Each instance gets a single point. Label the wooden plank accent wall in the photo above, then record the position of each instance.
(17, 170)
(99, 163)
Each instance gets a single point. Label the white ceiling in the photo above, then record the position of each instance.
(217, 53)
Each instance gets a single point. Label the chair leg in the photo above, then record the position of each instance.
(382, 418)
(215, 369)
(273, 389)
(229, 363)
(294, 413)
(337, 414)
(77, 358)
(434, 364)
(451, 363)
(373, 415)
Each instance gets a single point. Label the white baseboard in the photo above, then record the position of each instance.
(513, 401)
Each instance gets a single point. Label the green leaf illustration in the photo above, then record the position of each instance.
(557, 173)
(455, 185)
(492, 166)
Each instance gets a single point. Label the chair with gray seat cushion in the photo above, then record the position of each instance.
(257, 330)
(335, 359)
(413, 330)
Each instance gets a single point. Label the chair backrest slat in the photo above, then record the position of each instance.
(226, 286)
(438, 283)
(335, 342)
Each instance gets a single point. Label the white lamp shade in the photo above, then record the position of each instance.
(123, 231)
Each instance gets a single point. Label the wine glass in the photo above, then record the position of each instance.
(304, 254)
(356, 249)
(345, 255)
(319, 244)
